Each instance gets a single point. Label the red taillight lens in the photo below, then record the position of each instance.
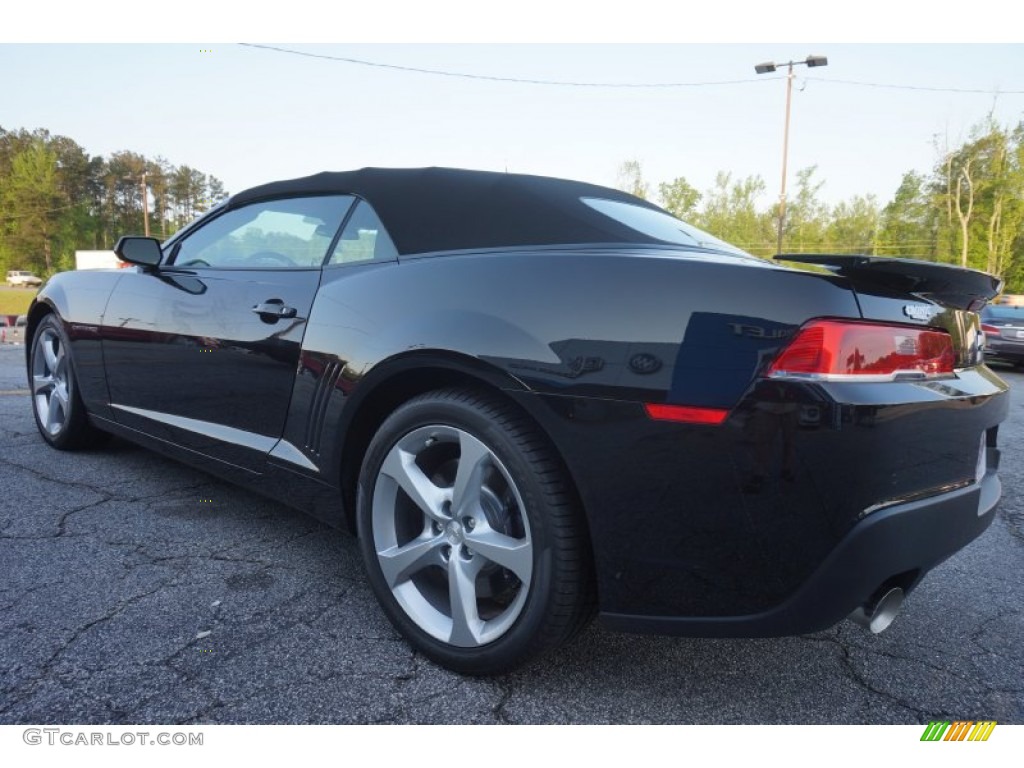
(685, 413)
(991, 330)
(838, 348)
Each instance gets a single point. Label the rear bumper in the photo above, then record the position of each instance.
(892, 546)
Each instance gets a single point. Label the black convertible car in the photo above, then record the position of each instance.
(536, 399)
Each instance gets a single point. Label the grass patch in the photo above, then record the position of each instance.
(15, 301)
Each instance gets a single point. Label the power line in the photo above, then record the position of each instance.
(496, 78)
(933, 89)
(576, 84)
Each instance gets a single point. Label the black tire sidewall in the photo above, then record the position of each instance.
(76, 422)
(525, 637)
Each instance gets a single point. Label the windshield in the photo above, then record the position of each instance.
(660, 225)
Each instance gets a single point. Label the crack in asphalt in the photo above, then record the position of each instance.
(49, 478)
(853, 675)
(47, 666)
(498, 710)
(982, 629)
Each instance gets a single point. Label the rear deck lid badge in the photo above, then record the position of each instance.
(644, 363)
(922, 312)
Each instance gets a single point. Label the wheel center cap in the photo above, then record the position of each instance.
(453, 532)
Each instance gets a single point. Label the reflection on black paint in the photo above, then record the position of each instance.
(720, 355)
(771, 427)
(186, 283)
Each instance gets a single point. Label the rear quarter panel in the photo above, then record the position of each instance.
(650, 325)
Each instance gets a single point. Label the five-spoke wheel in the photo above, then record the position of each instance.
(450, 535)
(51, 384)
(58, 408)
(469, 534)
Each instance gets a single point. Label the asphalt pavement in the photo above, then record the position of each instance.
(136, 590)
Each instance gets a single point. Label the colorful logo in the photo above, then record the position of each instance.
(961, 730)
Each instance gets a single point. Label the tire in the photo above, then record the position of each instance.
(56, 403)
(469, 533)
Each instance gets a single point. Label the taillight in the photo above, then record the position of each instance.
(991, 330)
(837, 349)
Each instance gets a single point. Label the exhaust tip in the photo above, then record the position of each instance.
(877, 616)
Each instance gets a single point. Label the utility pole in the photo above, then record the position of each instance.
(770, 66)
(785, 158)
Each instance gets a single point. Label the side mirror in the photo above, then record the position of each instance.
(144, 251)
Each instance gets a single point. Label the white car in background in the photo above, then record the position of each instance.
(19, 278)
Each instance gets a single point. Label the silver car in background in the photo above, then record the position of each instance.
(1003, 325)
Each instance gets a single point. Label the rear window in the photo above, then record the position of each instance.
(660, 225)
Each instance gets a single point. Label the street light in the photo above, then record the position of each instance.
(764, 69)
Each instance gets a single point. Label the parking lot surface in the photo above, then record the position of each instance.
(137, 590)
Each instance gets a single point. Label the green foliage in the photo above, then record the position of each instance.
(968, 210)
(56, 199)
(908, 226)
(679, 198)
(31, 195)
(853, 226)
(730, 213)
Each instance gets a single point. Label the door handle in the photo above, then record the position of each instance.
(273, 309)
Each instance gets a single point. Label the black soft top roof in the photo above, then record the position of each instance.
(440, 209)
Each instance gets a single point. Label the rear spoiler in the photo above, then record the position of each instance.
(944, 284)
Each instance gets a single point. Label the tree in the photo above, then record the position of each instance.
(806, 216)
(630, 178)
(908, 224)
(853, 226)
(730, 212)
(188, 194)
(215, 190)
(979, 187)
(679, 198)
(157, 178)
(964, 204)
(1004, 190)
(97, 199)
(124, 191)
(31, 192)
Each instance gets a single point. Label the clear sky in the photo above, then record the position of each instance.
(251, 115)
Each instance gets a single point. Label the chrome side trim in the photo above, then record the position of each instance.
(260, 443)
(285, 451)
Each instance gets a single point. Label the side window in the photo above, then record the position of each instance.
(363, 239)
(277, 234)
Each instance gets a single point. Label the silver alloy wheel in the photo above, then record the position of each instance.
(452, 536)
(51, 383)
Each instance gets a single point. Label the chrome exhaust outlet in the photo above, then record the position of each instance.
(877, 616)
